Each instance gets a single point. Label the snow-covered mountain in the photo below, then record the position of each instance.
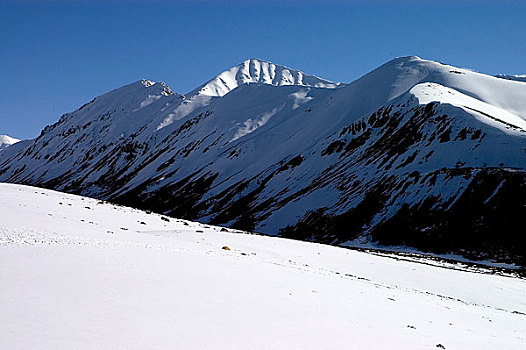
(82, 273)
(259, 72)
(521, 77)
(6, 141)
(414, 154)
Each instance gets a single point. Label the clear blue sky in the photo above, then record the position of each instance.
(57, 55)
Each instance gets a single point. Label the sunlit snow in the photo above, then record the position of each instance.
(81, 273)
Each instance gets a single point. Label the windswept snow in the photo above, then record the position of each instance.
(251, 71)
(489, 114)
(81, 273)
(6, 141)
(400, 75)
(300, 98)
(183, 109)
(251, 125)
(260, 72)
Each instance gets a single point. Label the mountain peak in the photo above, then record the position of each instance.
(258, 71)
(6, 141)
(410, 58)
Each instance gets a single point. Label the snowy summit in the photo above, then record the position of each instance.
(258, 71)
(6, 141)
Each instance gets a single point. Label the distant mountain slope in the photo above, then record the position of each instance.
(6, 141)
(415, 153)
(81, 272)
(521, 78)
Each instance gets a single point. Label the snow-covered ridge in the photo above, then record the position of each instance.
(400, 75)
(260, 72)
(516, 77)
(6, 141)
(270, 158)
(96, 275)
(251, 71)
(487, 113)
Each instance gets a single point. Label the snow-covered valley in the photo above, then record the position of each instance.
(81, 273)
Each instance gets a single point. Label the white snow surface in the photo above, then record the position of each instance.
(516, 77)
(251, 71)
(259, 72)
(6, 141)
(398, 76)
(429, 92)
(143, 134)
(80, 273)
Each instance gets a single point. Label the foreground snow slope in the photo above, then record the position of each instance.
(80, 273)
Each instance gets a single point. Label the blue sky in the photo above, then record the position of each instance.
(57, 55)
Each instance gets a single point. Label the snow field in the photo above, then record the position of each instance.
(78, 272)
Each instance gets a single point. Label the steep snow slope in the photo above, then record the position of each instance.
(399, 75)
(415, 153)
(252, 71)
(82, 273)
(6, 141)
(483, 111)
(260, 72)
